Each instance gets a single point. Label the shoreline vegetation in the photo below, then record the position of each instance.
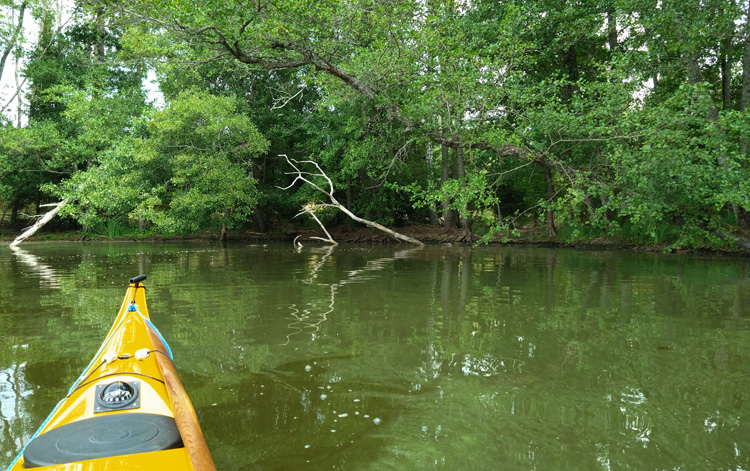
(531, 235)
(604, 123)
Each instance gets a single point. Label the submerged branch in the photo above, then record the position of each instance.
(310, 209)
(334, 203)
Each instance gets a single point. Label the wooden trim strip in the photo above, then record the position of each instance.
(184, 413)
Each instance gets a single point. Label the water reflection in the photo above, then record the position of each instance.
(42, 270)
(309, 317)
(408, 359)
(13, 390)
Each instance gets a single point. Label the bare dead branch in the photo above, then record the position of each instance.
(310, 209)
(38, 225)
(334, 203)
(288, 99)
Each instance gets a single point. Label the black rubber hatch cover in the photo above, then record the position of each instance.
(103, 436)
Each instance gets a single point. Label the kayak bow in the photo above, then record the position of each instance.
(127, 410)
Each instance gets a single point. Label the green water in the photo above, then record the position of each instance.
(390, 358)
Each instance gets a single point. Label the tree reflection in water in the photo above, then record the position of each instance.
(376, 358)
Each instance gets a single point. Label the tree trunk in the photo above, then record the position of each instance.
(349, 201)
(44, 220)
(429, 160)
(549, 215)
(465, 221)
(224, 231)
(45, 37)
(611, 28)
(19, 95)
(14, 38)
(349, 192)
(14, 208)
(654, 60)
(448, 224)
(726, 73)
(570, 62)
(260, 221)
(254, 172)
(100, 31)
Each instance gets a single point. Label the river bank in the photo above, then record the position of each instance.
(431, 235)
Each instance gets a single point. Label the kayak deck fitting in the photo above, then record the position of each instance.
(127, 410)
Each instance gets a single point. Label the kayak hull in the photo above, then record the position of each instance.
(167, 460)
(126, 411)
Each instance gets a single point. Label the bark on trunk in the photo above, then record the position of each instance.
(260, 221)
(611, 28)
(570, 62)
(448, 224)
(224, 231)
(429, 157)
(726, 74)
(465, 221)
(14, 38)
(550, 216)
(2, 216)
(654, 61)
(15, 208)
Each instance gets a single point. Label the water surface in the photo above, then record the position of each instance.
(393, 358)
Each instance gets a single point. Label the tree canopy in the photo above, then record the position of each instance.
(623, 119)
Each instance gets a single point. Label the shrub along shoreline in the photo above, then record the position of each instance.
(345, 234)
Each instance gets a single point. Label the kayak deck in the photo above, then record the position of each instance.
(167, 460)
(127, 410)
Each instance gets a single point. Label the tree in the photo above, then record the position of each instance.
(82, 100)
(533, 119)
(188, 168)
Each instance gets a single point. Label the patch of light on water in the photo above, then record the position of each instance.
(633, 396)
(711, 424)
(11, 379)
(488, 365)
(630, 400)
(603, 457)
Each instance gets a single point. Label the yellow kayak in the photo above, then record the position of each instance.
(127, 410)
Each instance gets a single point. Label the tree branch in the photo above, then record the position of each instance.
(14, 37)
(310, 209)
(38, 225)
(334, 203)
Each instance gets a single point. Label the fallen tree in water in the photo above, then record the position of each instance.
(305, 177)
(40, 222)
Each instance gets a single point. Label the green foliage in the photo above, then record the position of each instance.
(28, 158)
(113, 228)
(190, 170)
(683, 173)
(622, 119)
